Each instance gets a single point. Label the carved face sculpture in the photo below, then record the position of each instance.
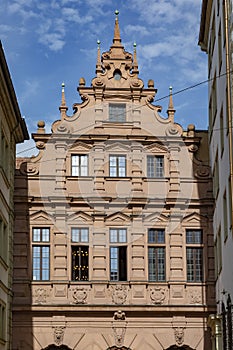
(58, 335)
(179, 335)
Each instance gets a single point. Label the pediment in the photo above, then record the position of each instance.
(118, 147)
(80, 147)
(156, 148)
(117, 218)
(194, 218)
(41, 216)
(156, 218)
(80, 217)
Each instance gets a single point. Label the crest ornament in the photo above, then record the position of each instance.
(195, 297)
(157, 295)
(40, 295)
(119, 294)
(79, 295)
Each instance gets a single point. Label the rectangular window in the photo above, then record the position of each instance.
(194, 255)
(80, 263)
(40, 254)
(79, 165)
(2, 321)
(118, 255)
(3, 240)
(225, 216)
(221, 131)
(80, 254)
(218, 253)
(156, 255)
(117, 112)
(216, 176)
(5, 154)
(79, 235)
(117, 166)
(155, 166)
(220, 47)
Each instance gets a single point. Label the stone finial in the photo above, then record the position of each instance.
(41, 127)
(117, 37)
(170, 110)
(98, 62)
(135, 61)
(63, 108)
(150, 83)
(82, 82)
(191, 130)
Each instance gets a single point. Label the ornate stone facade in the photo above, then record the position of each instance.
(111, 211)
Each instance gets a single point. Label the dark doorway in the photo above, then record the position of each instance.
(55, 347)
(175, 347)
(117, 348)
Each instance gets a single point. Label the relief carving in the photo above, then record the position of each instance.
(119, 294)
(62, 129)
(119, 315)
(202, 172)
(157, 295)
(40, 296)
(193, 148)
(173, 130)
(79, 295)
(59, 335)
(195, 297)
(119, 335)
(179, 335)
(119, 327)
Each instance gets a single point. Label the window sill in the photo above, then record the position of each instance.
(152, 179)
(80, 178)
(118, 178)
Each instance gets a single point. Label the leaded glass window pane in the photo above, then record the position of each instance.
(156, 257)
(194, 264)
(117, 166)
(79, 165)
(79, 234)
(155, 166)
(117, 112)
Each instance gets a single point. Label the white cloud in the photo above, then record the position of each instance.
(53, 40)
(136, 30)
(73, 15)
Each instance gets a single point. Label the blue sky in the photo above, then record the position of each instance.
(47, 42)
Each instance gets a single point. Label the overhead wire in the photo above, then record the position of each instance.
(156, 100)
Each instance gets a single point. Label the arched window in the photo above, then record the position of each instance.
(117, 74)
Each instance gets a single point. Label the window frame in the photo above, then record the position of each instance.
(118, 256)
(3, 322)
(77, 169)
(115, 116)
(41, 253)
(194, 256)
(156, 268)
(80, 246)
(154, 169)
(117, 167)
(4, 240)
